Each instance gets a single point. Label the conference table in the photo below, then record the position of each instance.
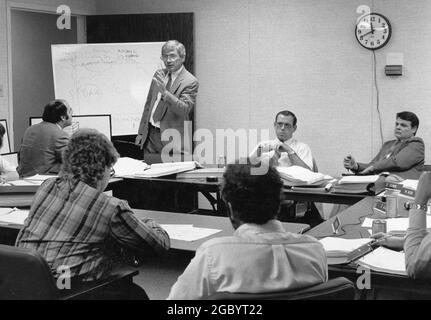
(184, 194)
(22, 195)
(383, 285)
(159, 273)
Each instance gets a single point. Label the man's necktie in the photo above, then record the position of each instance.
(168, 85)
(161, 107)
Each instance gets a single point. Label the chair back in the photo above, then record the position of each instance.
(314, 169)
(24, 274)
(335, 289)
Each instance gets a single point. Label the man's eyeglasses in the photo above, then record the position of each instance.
(280, 125)
(169, 57)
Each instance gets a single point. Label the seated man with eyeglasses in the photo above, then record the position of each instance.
(284, 150)
(73, 224)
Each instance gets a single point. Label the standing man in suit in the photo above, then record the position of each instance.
(43, 143)
(404, 156)
(170, 105)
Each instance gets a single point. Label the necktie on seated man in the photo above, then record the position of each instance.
(161, 108)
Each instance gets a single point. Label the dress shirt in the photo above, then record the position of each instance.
(417, 246)
(301, 149)
(174, 75)
(73, 224)
(257, 258)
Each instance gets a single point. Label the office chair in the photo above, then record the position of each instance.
(25, 275)
(335, 289)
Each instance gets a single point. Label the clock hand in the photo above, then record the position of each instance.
(367, 33)
(372, 28)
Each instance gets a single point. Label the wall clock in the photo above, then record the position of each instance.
(373, 31)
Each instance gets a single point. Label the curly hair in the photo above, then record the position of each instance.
(87, 156)
(255, 198)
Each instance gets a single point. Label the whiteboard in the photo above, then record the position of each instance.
(6, 142)
(101, 123)
(107, 78)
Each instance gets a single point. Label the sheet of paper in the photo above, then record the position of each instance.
(24, 182)
(14, 217)
(40, 177)
(394, 224)
(187, 232)
(4, 211)
(358, 179)
(127, 166)
(411, 184)
(385, 260)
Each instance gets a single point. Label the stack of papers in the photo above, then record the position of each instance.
(358, 179)
(384, 260)
(187, 232)
(337, 249)
(202, 173)
(13, 216)
(360, 185)
(128, 166)
(299, 176)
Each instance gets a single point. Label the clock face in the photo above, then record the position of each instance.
(373, 31)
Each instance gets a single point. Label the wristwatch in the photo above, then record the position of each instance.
(417, 206)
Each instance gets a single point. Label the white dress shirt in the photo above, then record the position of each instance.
(301, 149)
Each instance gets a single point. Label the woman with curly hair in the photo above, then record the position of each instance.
(73, 223)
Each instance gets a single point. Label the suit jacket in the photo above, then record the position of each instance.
(405, 159)
(41, 149)
(178, 107)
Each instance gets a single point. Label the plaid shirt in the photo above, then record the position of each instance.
(75, 225)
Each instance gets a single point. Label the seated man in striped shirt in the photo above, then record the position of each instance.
(73, 224)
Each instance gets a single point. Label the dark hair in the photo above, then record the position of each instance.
(409, 116)
(54, 110)
(87, 156)
(255, 198)
(2, 132)
(287, 113)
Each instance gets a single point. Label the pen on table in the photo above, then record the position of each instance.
(380, 240)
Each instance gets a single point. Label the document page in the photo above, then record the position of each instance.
(385, 260)
(187, 232)
(14, 216)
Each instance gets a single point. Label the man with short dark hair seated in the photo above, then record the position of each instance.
(43, 143)
(72, 223)
(403, 156)
(260, 256)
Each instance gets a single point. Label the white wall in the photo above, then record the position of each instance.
(255, 57)
(78, 7)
